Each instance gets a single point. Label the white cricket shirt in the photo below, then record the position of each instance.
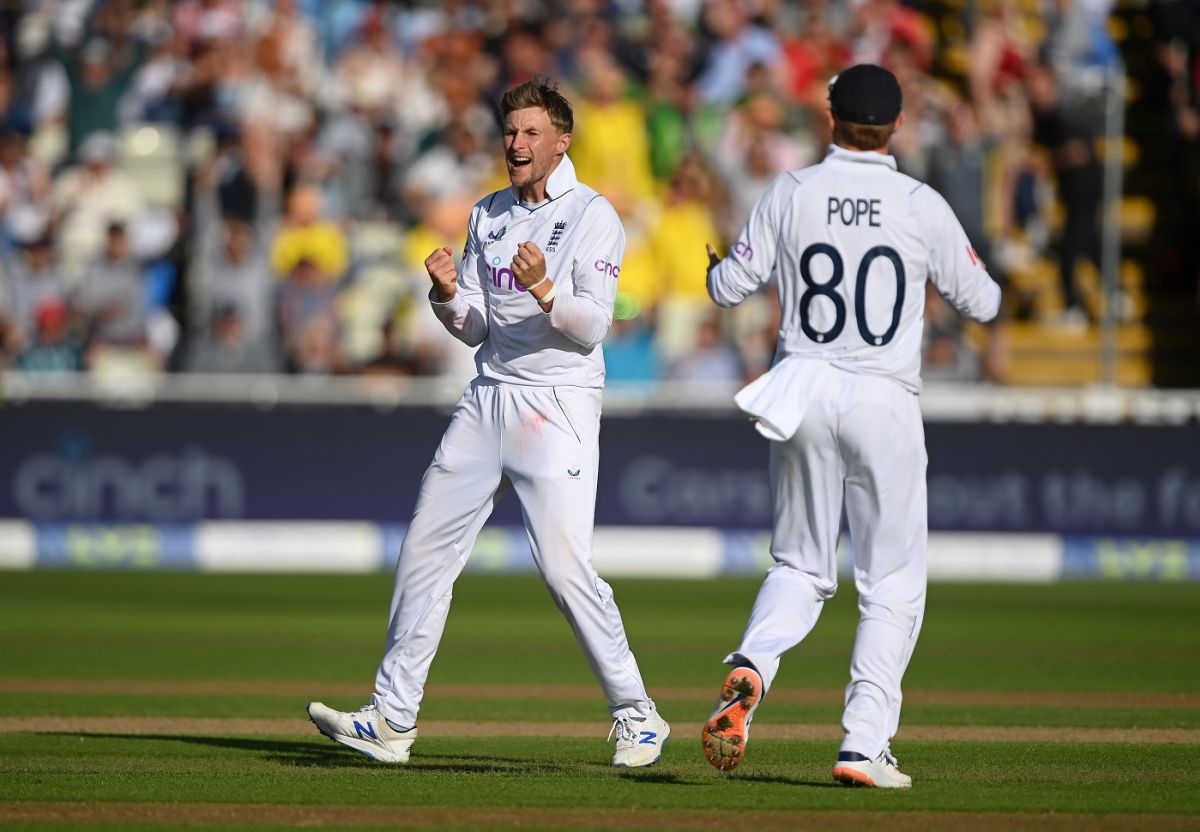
(581, 237)
(851, 242)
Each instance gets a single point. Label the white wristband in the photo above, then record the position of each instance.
(549, 296)
(539, 283)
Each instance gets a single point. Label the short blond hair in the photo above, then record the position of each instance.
(540, 92)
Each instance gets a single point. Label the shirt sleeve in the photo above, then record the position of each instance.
(955, 269)
(585, 313)
(748, 265)
(465, 315)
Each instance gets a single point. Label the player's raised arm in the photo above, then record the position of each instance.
(954, 267)
(750, 262)
(456, 296)
(585, 313)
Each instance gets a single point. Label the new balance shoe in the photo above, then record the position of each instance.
(639, 741)
(883, 772)
(365, 731)
(728, 729)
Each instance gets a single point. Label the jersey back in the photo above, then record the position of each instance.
(851, 243)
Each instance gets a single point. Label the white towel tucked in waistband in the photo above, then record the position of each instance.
(778, 399)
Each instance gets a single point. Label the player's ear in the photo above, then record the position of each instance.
(899, 123)
(564, 141)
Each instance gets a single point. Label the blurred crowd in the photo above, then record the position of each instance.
(224, 186)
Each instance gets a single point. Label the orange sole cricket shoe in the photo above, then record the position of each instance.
(854, 769)
(728, 729)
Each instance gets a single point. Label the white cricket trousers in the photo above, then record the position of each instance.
(862, 439)
(544, 443)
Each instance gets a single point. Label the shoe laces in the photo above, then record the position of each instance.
(886, 757)
(623, 728)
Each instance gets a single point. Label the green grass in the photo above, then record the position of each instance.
(1130, 638)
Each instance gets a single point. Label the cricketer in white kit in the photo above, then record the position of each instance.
(851, 243)
(535, 294)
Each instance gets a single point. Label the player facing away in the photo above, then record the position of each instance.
(535, 294)
(851, 242)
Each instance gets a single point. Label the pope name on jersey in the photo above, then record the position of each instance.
(853, 242)
(583, 241)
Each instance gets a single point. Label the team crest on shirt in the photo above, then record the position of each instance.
(496, 236)
(556, 236)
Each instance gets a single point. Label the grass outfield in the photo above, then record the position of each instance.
(150, 700)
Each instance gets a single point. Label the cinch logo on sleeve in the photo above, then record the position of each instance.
(605, 267)
(743, 249)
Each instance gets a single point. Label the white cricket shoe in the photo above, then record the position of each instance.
(881, 773)
(639, 741)
(364, 730)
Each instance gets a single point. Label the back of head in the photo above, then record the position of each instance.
(540, 92)
(866, 102)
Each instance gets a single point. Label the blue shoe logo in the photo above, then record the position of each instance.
(369, 731)
(648, 738)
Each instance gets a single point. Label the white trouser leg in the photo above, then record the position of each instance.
(883, 442)
(806, 480)
(457, 495)
(551, 454)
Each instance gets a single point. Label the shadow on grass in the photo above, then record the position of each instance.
(328, 754)
(786, 781)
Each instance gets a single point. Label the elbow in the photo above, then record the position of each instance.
(718, 295)
(992, 309)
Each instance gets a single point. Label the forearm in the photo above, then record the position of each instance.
(462, 319)
(584, 320)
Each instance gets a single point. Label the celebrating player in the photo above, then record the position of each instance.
(535, 293)
(852, 242)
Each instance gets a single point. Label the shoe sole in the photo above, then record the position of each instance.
(853, 777)
(727, 731)
(366, 749)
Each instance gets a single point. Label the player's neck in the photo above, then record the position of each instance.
(882, 151)
(534, 193)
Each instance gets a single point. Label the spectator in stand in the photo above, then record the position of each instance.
(677, 241)
(610, 147)
(306, 236)
(31, 282)
(711, 360)
(1069, 135)
(309, 325)
(100, 75)
(112, 299)
(88, 199)
(457, 167)
(736, 46)
(52, 347)
(232, 286)
(25, 188)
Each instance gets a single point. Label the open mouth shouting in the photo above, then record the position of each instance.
(516, 161)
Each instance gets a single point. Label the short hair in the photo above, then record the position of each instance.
(862, 136)
(540, 92)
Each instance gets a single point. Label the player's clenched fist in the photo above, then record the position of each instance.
(529, 264)
(443, 273)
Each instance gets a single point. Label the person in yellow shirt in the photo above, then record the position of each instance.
(306, 236)
(677, 242)
(611, 148)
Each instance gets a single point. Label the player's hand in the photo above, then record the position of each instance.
(713, 259)
(529, 264)
(443, 273)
